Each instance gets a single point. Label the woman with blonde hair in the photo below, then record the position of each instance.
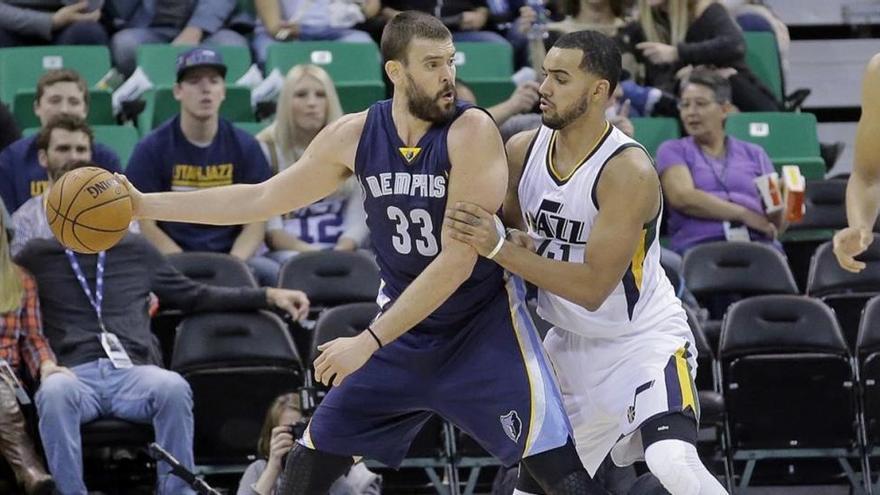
(284, 423)
(21, 340)
(672, 36)
(308, 102)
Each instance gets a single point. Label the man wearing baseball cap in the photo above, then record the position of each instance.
(198, 149)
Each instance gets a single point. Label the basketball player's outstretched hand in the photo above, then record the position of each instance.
(342, 357)
(135, 196)
(473, 225)
(849, 243)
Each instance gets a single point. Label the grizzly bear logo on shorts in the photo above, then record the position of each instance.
(512, 425)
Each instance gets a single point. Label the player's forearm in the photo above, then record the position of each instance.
(248, 240)
(237, 204)
(862, 200)
(426, 293)
(576, 282)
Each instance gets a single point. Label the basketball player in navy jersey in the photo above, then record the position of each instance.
(588, 198)
(453, 337)
(863, 188)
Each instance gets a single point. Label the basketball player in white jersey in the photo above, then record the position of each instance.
(589, 198)
(863, 189)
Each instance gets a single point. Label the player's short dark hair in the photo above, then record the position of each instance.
(711, 79)
(66, 122)
(55, 76)
(601, 54)
(405, 26)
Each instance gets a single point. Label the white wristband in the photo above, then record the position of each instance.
(496, 248)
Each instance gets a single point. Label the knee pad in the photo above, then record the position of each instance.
(668, 460)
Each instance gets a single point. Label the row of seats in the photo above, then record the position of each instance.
(789, 138)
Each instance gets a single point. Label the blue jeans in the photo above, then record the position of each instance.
(124, 43)
(78, 33)
(141, 394)
(262, 40)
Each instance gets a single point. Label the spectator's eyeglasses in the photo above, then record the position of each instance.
(699, 104)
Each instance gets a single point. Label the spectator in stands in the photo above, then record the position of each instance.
(199, 149)
(179, 22)
(62, 143)
(467, 19)
(21, 341)
(283, 425)
(310, 20)
(122, 384)
(9, 131)
(59, 91)
(41, 22)
(708, 177)
(308, 103)
(674, 34)
(515, 114)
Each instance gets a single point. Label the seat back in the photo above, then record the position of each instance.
(487, 68)
(252, 128)
(157, 60)
(827, 277)
(705, 356)
(762, 57)
(651, 132)
(331, 278)
(747, 268)
(21, 67)
(825, 207)
(100, 108)
(236, 365)
(344, 62)
(868, 352)
(786, 369)
(788, 138)
(213, 268)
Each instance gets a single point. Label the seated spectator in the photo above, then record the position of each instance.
(283, 425)
(513, 115)
(91, 300)
(60, 91)
(308, 102)
(466, 19)
(62, 143)
(310, 20)
(198, 149)
(56, 22)
(673, 34)
(21, 340)
(9, 131)
(179, 22)
(708, 178)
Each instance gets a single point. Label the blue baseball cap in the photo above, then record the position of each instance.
(199, 57)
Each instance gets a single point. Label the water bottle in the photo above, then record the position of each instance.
(538, 30)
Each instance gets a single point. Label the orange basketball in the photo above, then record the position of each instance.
(88, 210)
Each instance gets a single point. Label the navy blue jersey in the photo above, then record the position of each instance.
(405, 199)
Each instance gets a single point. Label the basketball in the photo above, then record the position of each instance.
(88, 210)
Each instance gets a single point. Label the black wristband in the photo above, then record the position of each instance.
(373, 334)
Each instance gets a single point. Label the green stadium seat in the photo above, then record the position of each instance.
(100, 108)
(487, 69)
(789, 138)
(762, 56)
(120, 138)
(354, 67)
(161, 106)
(652, 131)
(21, 67)
(252, 127)
(158, 61)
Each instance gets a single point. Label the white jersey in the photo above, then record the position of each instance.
(560, 212)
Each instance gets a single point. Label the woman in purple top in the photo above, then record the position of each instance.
(708, 178)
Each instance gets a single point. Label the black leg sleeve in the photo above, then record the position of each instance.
(560, 472)
(311, 472)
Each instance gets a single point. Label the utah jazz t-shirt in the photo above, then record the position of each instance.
(166, 161)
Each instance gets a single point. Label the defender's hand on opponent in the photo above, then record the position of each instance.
(471, 224)
(342, 357)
